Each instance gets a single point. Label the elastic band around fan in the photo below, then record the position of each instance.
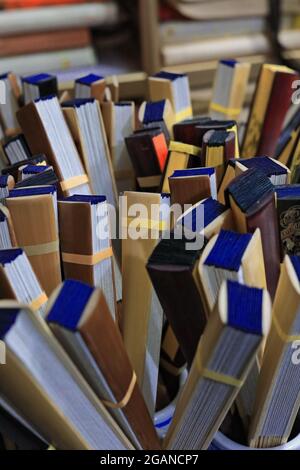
(42, 248)
(39, 301)
(184, 114)
(225, 110)
(146, 223)
(122, 403)
(73, 182)
(184, 148)
(88, 260)
(219, 377)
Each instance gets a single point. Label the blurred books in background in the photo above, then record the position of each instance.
(58, 34)
(200, 30)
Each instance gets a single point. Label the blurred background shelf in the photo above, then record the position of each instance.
(191, 36)
(132, 38)
(61, 35)
(184, 32)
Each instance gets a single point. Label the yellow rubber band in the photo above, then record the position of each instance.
(38, 302)
(222, 378)
(41, 249)
(223, 109)
(184, 148)
(146, 224)
(121, 404)
(73, 182)
(184, 114)
(219, 377)
(87, 260)
(237, 149)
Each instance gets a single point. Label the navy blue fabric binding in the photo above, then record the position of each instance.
(199, 120)
(4, 76)
(229, 62)
(77, 102)
(33, 191)
(121, 104)
(173, 252)
(212, 209)
(2, 216)
(265, 164)
(220, 122)
(154, 111)
(288, 190)
(7, 256)
(39, 158)
(244, 308)
(33, 79)
(3, 181)
(296, 264)
(89, 79)
(248, 188)
(45, 98)
(218, 138)
(228, 250)
(85, 198)
(193, 172)
(8, 317)
(34, 169)
(70, 304)
(169, 75)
